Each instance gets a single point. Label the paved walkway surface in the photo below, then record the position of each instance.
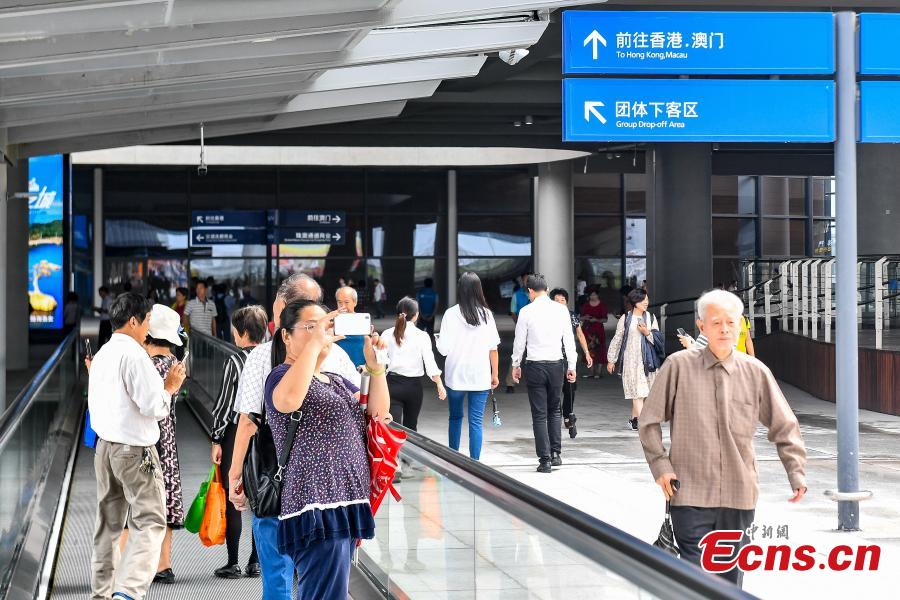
(605, 475)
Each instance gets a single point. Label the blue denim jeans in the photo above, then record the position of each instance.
(277, 568)
(477, 400)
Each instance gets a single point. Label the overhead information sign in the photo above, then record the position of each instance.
(879, 53)
(698, 42)
(311, 236)
(698, 110)
(878, 111)
(313, 218)
(228, 218)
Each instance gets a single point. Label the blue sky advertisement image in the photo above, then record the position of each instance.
(45, 241)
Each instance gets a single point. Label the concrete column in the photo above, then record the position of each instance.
(98, 234)
(3, 264)
(554, 249)
(878, 188)
(452, 232)
(679, 234)
(17, 276)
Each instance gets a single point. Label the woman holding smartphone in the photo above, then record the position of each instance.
(325, 491)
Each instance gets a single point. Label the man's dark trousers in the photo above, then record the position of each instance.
(544, 380)
(691, 523)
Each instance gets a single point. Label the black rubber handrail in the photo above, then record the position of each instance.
(11, 417)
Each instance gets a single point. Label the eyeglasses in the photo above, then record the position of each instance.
(307, 326)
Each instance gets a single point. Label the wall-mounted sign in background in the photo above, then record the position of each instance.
(214, 236)
(45, 241)
(312, 218)
(698, 42)
(229, 218)
(878, 52)
(698, 110)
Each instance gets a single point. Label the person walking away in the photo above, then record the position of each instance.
(713, 398)
(248, 329)
(103, 310)
(161, 338)
(126, 398)
(325, 492)
(277, 568)
(594, 315)
(626, 355)
(347, 300)
(379, 296)
(200, 313)
(469, 339)
(519, 301)
(544, 331)
(409, 358)
(561, 296)
(428, 306)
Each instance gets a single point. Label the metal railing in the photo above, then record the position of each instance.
(459, 520)
(38, 438)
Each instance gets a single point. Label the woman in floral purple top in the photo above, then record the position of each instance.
(325, 492)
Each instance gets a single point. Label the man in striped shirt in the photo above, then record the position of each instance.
(200, 313)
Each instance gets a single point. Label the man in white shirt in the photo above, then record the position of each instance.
(544, 328)
(380, 297)
(277, 568)
(126, 398)
(200, 313)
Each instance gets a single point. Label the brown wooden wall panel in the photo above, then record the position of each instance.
(809, 365)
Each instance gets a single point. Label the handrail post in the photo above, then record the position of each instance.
(814, 299)
(804, 297)
(859, 295)
(879, 302)
(795, 303)
(767, 295)
(752, 293)
(696, 318)
(829, 299)
(662, 319)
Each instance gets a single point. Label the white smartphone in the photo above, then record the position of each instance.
(187, 355)
(353, 324)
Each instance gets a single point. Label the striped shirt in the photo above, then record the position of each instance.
(201, 315)
(225, 411)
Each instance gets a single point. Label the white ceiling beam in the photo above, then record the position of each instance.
(167, 135)
(376, 47)
(336, 79)
(414, 12)
(47, 19)
(80, 49)
(220, 112)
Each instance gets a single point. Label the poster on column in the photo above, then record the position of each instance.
(45, 241)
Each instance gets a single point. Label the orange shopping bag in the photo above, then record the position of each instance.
(212, 530)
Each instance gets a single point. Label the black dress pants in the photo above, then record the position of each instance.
(568, 398)
(544, 381)
(233, 517)
(406, 399)
(691, 523)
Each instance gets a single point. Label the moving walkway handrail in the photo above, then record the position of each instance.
(20, 405)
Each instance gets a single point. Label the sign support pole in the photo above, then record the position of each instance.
(846, 340)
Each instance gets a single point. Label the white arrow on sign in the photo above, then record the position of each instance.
(595, 37)
(200, 237)
(337, 218)
(590, 108)
(337, 237)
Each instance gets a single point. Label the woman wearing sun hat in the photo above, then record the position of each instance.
(162, 337)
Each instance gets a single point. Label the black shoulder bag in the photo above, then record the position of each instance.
(263, 467)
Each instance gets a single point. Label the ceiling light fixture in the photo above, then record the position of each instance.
(529, 120)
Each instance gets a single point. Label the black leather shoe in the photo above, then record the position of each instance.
(634, 423)
(228, 572)
(556, 460)
(510, 389)
(544, 467)
(573, 431)
(166, 576)
(252, 570)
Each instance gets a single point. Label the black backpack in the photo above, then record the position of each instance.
(263, 468)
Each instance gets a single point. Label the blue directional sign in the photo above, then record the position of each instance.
(698, 110)
(228, 218)
(311, 236)
(313, 218)
(878, 102)
(698, 42)
(878, 50)
(216, 236)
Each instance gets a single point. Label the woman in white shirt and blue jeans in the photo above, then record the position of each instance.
(409, 358)
(469, 339)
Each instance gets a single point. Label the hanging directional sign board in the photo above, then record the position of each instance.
(313, 218)
(698, 42)
(311, 236)
(879, 53)
(878, 111)
(698, 110)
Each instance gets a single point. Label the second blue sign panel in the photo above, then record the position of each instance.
(697, 110)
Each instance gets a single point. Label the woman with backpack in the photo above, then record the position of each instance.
(627, 356)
